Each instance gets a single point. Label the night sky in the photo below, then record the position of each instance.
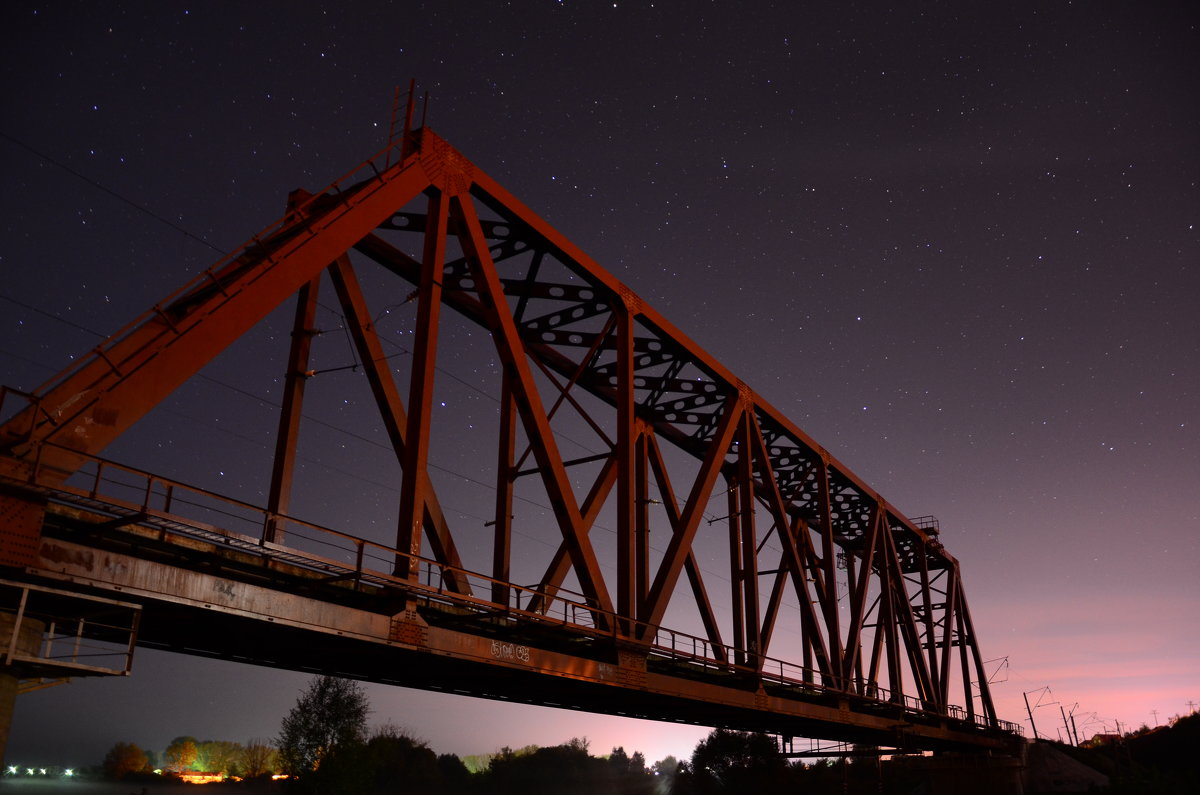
(955, 243)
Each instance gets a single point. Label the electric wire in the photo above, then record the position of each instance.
(98, 186)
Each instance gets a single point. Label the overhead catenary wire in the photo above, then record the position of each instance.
(101, 187)
(353, 367)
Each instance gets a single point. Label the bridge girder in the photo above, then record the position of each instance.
(802, 531)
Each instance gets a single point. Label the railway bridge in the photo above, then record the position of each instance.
(639, 533)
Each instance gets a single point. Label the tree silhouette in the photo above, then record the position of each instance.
(330, 714)
(258, 758)
(735, 762)
(549, 771)
(455, 775)
(665, 771)
(393, 755)
(219, 756)
(628, 774)
(181, 754)
(123, 759)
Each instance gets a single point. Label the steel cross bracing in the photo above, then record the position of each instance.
(808, 548)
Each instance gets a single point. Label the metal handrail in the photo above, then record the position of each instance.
(157, 496)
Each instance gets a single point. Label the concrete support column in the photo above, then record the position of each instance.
(28, 641)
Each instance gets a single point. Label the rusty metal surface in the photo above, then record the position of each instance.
(56, 633)
(801, 529)
(446, 641)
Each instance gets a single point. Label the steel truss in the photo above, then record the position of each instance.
(876, 600)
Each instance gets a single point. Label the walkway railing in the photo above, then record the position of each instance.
(135, 497)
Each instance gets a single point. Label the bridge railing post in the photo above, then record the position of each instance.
(97, 479)
(147, 493)
(360, 549)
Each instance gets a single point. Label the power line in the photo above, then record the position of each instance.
(98, 186)
(50, 315)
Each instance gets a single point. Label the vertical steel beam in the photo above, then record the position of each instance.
(877, 638)
(889, 593)
(733, 509)
(505, 477)
(965, 670)
(858, 595)
(815, 632)
(280, 492)
(626, 471)
(829, 601)
(642, 518)
(949, 624)
(968, 637)
(414, 475)
(930, 638)
(391, 407)
(748, 539)
(852, 668)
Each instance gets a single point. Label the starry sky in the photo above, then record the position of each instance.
(954, 242)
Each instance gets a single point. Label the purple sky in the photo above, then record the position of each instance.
(957, 247)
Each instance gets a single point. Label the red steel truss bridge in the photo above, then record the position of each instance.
(646, 536)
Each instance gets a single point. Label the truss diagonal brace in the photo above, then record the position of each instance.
(136, 369)
(529, 404)
(289, 419)
(681, 540)
(391, 409)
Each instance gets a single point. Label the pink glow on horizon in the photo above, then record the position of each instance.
(1118, 660)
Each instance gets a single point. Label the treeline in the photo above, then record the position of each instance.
(253, 759)
(389, 760)
(724, 763)
(1149, 761)
(324, 747)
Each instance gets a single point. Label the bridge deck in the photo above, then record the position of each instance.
(210, 591)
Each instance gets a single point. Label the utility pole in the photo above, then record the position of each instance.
(1067, 726)
(1154, 712)
(1043, 691)
(1030, 711)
